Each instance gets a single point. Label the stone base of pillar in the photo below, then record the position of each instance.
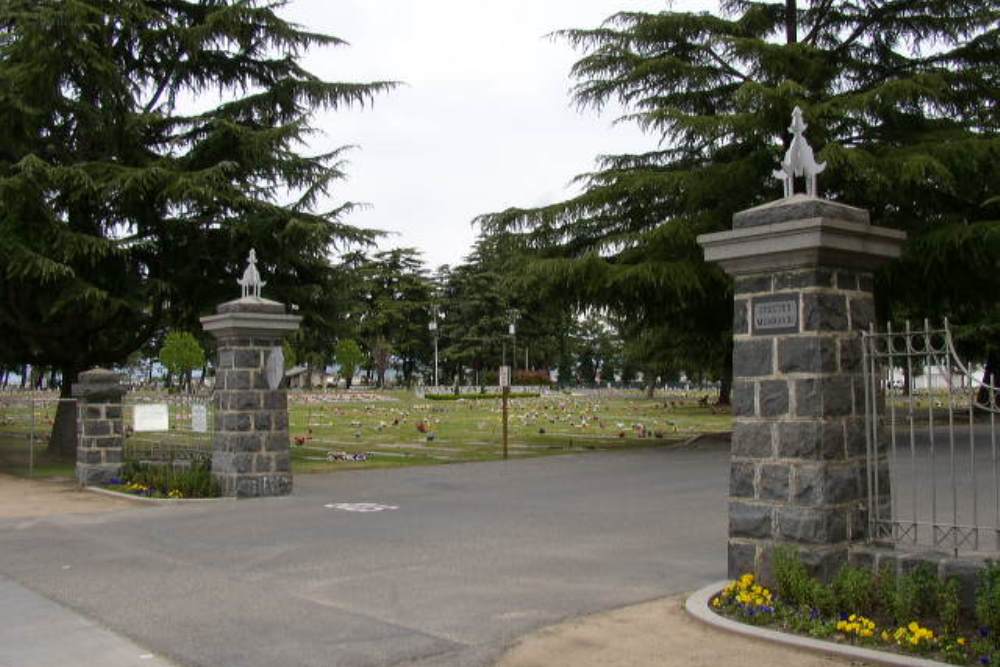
(100, 437)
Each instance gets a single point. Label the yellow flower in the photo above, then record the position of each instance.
(961, 641)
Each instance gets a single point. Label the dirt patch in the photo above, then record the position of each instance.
(20, 498)
(654, 633)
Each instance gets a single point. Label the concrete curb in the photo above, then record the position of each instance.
(154, 501)
(697, 605)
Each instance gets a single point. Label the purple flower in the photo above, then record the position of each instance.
(984, 660)
(813, 614)
(844, 615)
(984, 631)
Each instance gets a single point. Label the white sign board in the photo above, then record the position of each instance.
(505, 376)
(151, 417)
(199, 418)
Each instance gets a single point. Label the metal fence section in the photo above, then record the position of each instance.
(931, 443)
(184, 437)
(26, 419)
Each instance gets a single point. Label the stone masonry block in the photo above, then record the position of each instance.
(824, 312)
(847, 280)
(752, 284)
(741, 476)
(753, 358)
(740, 317)
(262, 421)
(856, 442)
(823, 397)
(773, 483)
(773, 398)
(825, 484)
(799, 279)
(88, 455)
(276, 441)
(237, 421)
(752, 439)
(243, 400)
(249, 358)
(799, 440)
(811, 525)
(742, 558)
(275, 400)
(742, 398)
(862, 312)
(749, 520)
(240, 442)
(96, 427)
(851, 358)
(238, 380)
(807, 355)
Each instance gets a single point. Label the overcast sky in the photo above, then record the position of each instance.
(484, 120)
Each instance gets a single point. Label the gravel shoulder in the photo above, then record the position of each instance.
(28, 498)
(659, 632)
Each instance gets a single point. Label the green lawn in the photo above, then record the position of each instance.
(384, 426)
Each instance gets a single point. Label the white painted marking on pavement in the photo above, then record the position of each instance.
(360, 507)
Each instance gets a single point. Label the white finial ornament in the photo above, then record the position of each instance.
(799, 159)
(251, 282)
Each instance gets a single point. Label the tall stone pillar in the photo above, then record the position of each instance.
(100, 439)
(803, 292)
(250, 449)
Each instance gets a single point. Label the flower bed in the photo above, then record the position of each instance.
(167, 481)
(913, 613)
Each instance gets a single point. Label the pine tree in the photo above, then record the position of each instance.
(900, 98)
(124, 210)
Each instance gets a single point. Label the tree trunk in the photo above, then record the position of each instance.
(791, 22)
(24, 375)
(991, 378)
(62, 441)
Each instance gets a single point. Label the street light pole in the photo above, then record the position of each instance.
(433, 326)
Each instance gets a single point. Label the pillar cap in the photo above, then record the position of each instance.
(242, 323)
(813, 242)
(98, 383)
(798, 207)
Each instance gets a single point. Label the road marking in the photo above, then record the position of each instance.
(360, 507)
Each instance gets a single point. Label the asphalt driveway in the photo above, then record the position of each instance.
(463, 560)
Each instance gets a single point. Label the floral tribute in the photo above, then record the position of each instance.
(913, 612)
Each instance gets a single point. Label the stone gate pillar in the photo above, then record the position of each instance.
(99, 437)
(803, 292)
(250, 449)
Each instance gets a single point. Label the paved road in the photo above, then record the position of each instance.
(475, 556)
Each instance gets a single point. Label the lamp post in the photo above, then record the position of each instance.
(433, 327)
(512, 315)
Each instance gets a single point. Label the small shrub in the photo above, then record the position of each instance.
(167, 481)
(854, 589)
(948, 606)
(988, 599)
(793, 581)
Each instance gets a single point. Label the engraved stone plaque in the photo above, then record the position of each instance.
(777, 314)
(152, 417)
(199, 418)
(275, 369)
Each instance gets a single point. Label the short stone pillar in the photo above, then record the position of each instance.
(100, 439)
(250, 451)
(803, 292)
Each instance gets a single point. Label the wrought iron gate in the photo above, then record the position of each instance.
(931, 438)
